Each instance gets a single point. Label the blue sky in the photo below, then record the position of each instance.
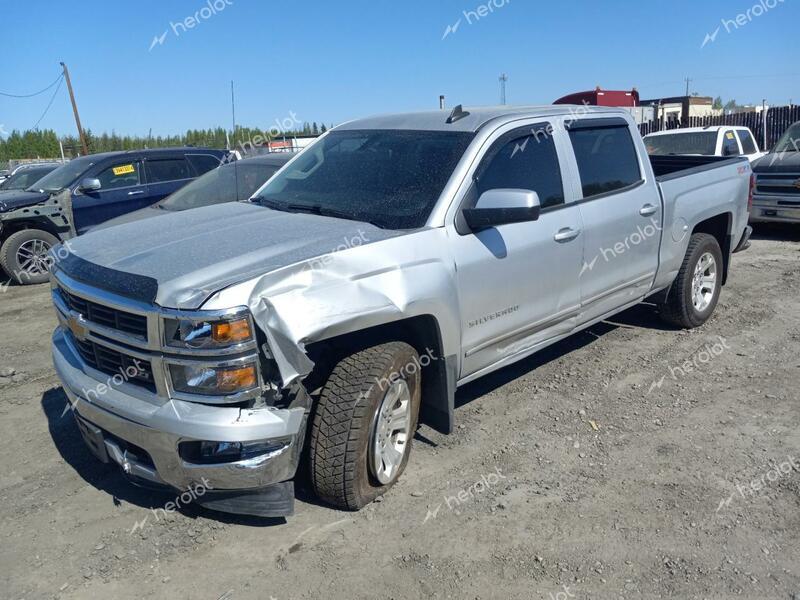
(333, 61)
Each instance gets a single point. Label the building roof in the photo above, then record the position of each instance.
(436, 120)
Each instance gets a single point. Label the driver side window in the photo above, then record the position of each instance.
(527, 162)
(118, 176)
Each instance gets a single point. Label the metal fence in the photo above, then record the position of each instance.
(777, 122)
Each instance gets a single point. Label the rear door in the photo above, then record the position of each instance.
(121, 189)
(518, 283)
(621, 213)
(166, 174)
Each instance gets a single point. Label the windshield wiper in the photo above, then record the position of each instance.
(314, 209)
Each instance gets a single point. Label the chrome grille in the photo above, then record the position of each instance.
(106, 316)
(778, 183)
(113, 362)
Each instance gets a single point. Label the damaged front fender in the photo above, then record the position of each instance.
(348, 291)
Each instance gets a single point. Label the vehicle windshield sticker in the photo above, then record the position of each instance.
(123, 170)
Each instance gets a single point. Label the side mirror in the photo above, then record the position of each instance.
(501, 207)
(90, 184)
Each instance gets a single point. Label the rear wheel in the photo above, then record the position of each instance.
(695, 291)
(24, 256)
(363, 425)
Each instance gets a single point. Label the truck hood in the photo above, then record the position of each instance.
(12, 200)
(192, 254)
(778, 162)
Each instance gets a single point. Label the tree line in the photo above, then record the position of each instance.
(44, 143)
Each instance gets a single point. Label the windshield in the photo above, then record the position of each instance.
(391, 178)
(790, 140)
(25, 178)
(695, 142)
(65, 175)
(221, 185)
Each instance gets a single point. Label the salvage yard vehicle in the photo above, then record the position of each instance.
(227, 183)
(717, 140)
(25, 176)
(85, 192)
(777, 194)
(395, 259)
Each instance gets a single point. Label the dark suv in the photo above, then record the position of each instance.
(88, 191)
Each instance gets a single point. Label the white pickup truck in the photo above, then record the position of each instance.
(722, 140)
(395, 259)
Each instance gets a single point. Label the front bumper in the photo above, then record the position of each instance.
(142, 437)
(775, 209)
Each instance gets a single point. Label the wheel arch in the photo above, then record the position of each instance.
(424, 334)
(720, 227)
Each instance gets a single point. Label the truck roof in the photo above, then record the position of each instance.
(436, 120)
(710, 129)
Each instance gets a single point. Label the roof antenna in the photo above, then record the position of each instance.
(457, 114)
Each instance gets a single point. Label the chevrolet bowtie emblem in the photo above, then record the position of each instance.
(77, 328)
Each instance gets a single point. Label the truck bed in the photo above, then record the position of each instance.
(667, 167)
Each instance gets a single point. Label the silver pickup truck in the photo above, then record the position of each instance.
(392, 261)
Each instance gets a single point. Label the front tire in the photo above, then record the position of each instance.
(23, 256)
(695, 292)
(363, 425)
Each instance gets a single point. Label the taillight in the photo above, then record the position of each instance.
(752, 191)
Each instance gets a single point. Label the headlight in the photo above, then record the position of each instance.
(208, 334)
(214, 381)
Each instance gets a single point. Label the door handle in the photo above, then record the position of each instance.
(647, 210)
(566, 234)
(136, 193)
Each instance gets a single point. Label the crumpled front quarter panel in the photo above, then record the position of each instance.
(351, 290)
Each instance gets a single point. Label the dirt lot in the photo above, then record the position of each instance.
(606, 467)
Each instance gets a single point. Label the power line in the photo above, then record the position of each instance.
(49, 104)
(35, 93)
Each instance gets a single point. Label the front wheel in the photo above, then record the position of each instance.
(363, 425)
(695, 291)
(24, 256)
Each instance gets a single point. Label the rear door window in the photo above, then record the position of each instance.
(748, 143)
(167, 169)
(202, 163)
(119, 175)
(606, 157)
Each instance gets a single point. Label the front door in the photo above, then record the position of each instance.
(518, 283)
(121, 191)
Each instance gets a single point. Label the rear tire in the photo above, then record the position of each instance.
(695, 292)
(23, 256)
(363, 425)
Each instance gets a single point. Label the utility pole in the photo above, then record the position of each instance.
(503, 79)
(688, 81)
(764, 117)
(75, 110)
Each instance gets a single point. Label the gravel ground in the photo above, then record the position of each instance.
(605, 467)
